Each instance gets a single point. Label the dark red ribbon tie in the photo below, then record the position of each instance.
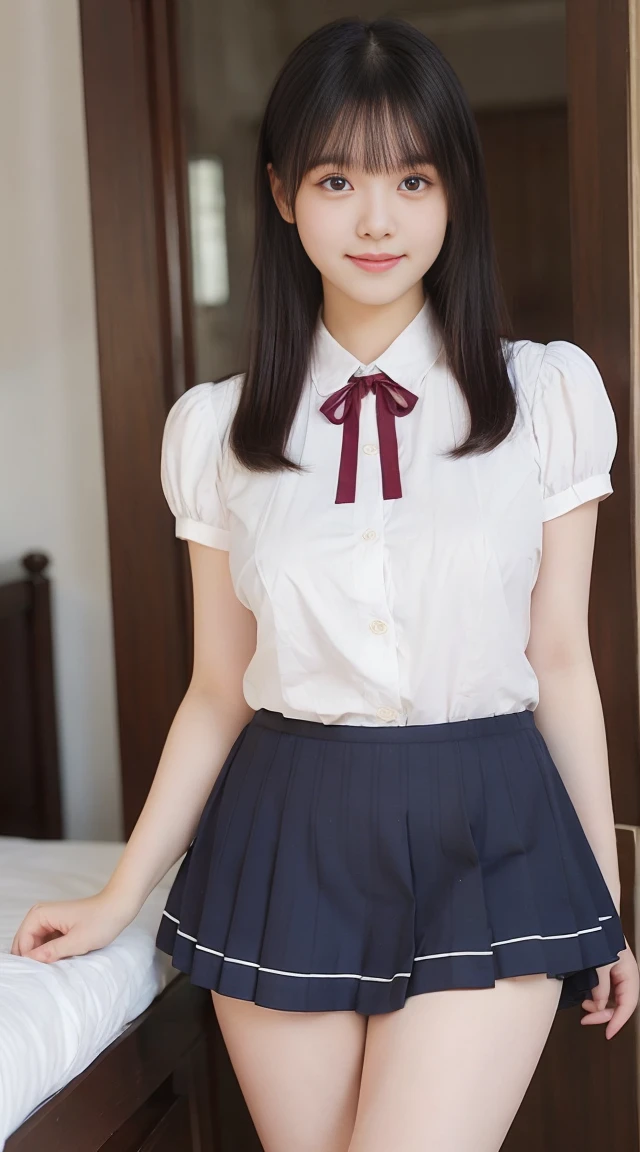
(387, 408)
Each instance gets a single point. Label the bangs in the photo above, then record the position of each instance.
(373, 135)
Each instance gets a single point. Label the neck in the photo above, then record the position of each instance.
(366, 330)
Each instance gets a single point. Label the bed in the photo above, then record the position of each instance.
(55, 1019)
(116, 1050)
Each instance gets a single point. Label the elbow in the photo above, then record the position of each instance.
(560, 656)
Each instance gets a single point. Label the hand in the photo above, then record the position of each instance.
(620, 982)
(54, 931)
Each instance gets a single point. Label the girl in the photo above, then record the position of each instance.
(393, 876)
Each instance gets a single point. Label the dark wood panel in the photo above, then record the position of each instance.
(29, 783)
(526, 157)
(584, 1093)
(172, 1132)
(143, 337)
(598, 58)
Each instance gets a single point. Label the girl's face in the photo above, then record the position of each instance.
(343, 214)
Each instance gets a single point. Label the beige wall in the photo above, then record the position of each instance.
(51, 470)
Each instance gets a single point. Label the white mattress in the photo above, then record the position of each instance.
(56, 1018)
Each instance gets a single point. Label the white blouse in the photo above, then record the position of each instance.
(410, 610)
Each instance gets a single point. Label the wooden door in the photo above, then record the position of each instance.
(584, 1093)
(527, 161)
(138, 213)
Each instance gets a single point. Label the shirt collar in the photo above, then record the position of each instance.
(407, 359)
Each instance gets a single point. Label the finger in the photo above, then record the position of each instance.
(599, 1004)
(599, 995)
(600, 1017)
(24, 941)
(590, 1007)
(620, 1015)
(27, 939)
(626, 1000)
(59, 949)
(35, 929)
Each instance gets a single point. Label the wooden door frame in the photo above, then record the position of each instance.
(598, 33)
(632, 832)
(137, 189)
(634, 289)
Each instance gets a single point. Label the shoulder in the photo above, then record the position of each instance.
(559, 371)
(193, 447)
(204, 411)
(564, 397)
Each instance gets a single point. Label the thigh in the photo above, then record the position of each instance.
(448, 1071)
(299, 1072)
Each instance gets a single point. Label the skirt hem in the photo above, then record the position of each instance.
(367, 995)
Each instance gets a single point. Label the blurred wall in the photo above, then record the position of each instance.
(51, 469)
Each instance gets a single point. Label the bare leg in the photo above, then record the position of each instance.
(299, 1072)
(448, 1071)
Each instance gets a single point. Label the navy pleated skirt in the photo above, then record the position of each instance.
(347, 867)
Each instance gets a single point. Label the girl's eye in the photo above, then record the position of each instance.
(338, 178)
(343, 180)
(414, 178)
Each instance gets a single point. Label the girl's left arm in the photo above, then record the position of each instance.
(569, 713)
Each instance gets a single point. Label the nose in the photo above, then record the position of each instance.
(376, 218)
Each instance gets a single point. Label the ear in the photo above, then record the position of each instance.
(278, 195)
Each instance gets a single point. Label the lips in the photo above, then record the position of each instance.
(376, 262)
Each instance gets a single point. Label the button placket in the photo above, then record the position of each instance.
(367, 521)
(374, 511)
(369, 501)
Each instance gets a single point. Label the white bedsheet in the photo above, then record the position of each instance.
(56, 1018)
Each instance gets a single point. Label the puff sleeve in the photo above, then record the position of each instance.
(575, 429)
(189, 469)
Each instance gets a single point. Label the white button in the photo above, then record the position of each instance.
(370, 449)
(387, 713)
(378, 626)
(370, 534)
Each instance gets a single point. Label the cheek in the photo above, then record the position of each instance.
(429, 231)
(318, 228)
(436, 222)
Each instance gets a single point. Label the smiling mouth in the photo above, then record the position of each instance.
(376, 263)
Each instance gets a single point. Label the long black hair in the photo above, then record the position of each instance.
(386, 83)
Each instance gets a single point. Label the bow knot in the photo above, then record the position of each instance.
(391, 400)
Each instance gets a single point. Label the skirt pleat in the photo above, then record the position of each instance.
(336, 870)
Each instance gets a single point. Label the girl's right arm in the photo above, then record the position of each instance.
(206, 725)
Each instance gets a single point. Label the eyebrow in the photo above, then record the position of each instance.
(329, 158)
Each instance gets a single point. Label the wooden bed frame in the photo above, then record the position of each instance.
(165, 1084)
